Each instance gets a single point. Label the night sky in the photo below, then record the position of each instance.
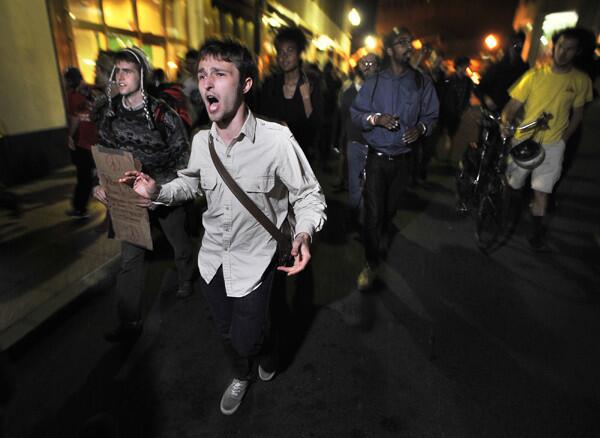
(457, 26)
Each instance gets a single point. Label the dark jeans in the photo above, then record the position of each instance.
(84, 163)
(386, 180)
(357, 156)
(244, 324)
(130, 280)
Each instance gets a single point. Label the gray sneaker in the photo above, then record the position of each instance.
(265, 376)
(233, 395)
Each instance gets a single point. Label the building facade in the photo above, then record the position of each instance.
(42, 38)
(541, 18)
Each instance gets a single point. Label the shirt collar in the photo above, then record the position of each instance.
(248, 128)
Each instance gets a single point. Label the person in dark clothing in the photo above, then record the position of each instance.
(495, 82)
(394, 108)
(136, 122)
(456, 95)
(424, 154)
(333, 84)
(82, 135)
(292, 96)
(172, 93)
(356, 146)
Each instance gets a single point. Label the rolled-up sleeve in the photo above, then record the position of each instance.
(305, 193)
(186, 186)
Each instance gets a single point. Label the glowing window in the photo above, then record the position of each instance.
(87, 45)
(227, 25)
(85, 10)
(249, 34)
(175, 55)
(150, 16)
(176, 15)
(117, 41)
(156, 55)
(119, 14)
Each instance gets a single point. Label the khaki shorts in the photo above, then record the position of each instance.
(545, 175)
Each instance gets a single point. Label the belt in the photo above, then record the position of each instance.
(389, 157)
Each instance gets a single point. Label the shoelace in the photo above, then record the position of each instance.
(237, 388)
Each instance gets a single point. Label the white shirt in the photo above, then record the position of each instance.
(268, 164)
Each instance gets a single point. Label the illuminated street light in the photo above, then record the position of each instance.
(323, 42)
(370, 42)
(491, 41)
(417, 44)
(354, 17)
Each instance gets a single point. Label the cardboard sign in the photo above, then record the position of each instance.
(130, 222)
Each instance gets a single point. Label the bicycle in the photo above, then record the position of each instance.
(482, 185)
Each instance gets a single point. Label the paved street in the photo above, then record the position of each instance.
(450, 343)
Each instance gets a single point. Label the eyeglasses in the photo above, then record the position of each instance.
(367, 64)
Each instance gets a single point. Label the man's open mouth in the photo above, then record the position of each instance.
(212, 102)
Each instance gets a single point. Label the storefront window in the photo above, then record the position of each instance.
(156, 55)
(239, 29)
(250, 35)
(175, 56)
(176, 14)
(149, 14)
(118, 41)
(85, 10)
(227, 25)
(119, 13)
(87, 45)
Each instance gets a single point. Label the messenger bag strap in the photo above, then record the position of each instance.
(243, 197)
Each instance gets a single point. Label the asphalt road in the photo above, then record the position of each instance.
(450, 343)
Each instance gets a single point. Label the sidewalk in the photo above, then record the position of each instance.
(48, 259)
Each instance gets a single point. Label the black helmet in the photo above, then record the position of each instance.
(528, 154)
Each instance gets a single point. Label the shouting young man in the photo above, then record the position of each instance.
(236, 259)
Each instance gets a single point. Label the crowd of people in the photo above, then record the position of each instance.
(385, 119)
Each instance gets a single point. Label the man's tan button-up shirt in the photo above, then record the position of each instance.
(268, 164)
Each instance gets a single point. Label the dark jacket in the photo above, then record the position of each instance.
(273, 105)
(162, 149)
(498, 79)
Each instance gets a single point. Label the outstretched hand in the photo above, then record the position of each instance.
(143, 185)
(300, 252)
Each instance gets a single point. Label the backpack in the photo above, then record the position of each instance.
(172, 94)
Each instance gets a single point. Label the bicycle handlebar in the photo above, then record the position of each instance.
(540, 122)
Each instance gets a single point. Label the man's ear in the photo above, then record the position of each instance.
(247, 85)
(389, 51)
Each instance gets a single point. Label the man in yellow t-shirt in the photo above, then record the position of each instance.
(562, 91)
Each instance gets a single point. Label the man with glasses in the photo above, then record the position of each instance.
(394, 108)
(356, 148)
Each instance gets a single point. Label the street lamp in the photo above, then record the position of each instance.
(491, 42)
(370, 42)
(354, 17)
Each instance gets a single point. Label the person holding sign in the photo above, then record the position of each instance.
(237, 258)
(153, 133)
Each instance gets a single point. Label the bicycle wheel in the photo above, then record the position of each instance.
(493, 213)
